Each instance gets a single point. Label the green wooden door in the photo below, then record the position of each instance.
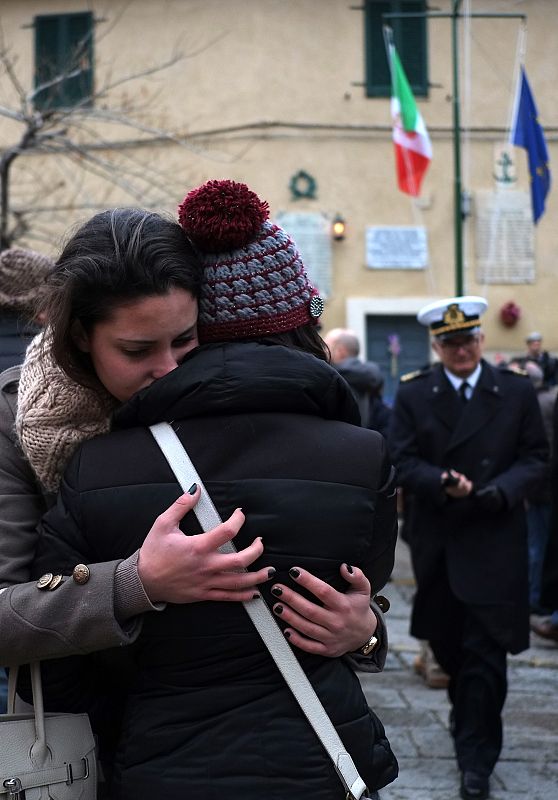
(398, 344)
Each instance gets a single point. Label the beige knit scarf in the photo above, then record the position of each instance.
(55, 414)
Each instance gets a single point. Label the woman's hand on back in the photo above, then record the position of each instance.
(341, 625)
(175, 568)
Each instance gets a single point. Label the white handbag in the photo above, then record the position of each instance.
(263, 619)
(45, 756)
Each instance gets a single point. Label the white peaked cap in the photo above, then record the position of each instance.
(453, 315)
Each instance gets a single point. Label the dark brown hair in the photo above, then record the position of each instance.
(115, 258)
(305, 338)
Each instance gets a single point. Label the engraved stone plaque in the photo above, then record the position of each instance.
(396, 247)
(504, 237)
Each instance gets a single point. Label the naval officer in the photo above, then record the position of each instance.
(468, 443)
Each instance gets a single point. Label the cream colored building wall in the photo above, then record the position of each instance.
(269, 88)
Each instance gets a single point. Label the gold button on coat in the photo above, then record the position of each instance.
(44, 580)
(81, 573)
(55, 582)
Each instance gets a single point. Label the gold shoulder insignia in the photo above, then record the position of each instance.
(517, 370)
(410, 376)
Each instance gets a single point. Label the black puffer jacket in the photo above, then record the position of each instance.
(269, 429)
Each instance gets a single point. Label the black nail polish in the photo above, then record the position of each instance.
(255, 596)
(193, 488)
(288, 634)
(278, 609)
(271, 572)
(277, 591)
(349, 568)
(294, 572)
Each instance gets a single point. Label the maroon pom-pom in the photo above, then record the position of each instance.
(222, 215)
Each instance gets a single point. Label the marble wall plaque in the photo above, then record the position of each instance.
(396, 247)
(504, 237)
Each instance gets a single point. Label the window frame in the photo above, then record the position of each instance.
(416, 73)
(69, 92)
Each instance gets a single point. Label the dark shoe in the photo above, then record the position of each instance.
(546, 629)
(474, 786)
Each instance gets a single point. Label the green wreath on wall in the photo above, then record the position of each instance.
(303, 185)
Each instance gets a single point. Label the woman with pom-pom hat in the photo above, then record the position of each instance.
(273, 429)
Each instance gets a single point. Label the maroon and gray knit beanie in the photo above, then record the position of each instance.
(22, 276)
(254, 280)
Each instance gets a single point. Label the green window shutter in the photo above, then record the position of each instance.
(63, 43)
(378, 81)
(410, 39)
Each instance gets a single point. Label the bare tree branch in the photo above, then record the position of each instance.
(112, 23)
(54, 82)
(10, 114)
(74, 140)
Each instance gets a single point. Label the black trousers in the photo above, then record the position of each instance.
(477, 667)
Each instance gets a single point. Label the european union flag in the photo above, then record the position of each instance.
(528, 133)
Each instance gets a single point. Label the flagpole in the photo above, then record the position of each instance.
(457, 193)
(457, 188)
(519, 63)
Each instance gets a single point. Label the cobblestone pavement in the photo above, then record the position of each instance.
(416, 717)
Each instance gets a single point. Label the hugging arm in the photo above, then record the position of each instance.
(107, 611)
(43, 624)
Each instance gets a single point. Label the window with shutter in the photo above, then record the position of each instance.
(409, 38)
(63, 60)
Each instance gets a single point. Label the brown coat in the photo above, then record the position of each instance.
(38, 624)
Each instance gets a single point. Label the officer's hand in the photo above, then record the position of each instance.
(342, 624)
(462, 488)
(175, 568)
(490, 498)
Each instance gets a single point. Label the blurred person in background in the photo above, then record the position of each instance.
(547, 627)
(364, 377)
(542, 358)
(539, 499)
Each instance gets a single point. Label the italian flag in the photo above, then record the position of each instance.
(413, 150)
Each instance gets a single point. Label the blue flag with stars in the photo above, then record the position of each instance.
(528, 133)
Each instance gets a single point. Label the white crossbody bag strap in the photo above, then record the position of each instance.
(263, 619)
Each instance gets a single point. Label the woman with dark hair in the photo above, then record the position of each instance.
(136, 273)
(273, 429)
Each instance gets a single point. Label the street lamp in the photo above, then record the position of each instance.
(338, 228)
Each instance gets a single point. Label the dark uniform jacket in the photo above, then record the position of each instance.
(496, 439)
(269, 429)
